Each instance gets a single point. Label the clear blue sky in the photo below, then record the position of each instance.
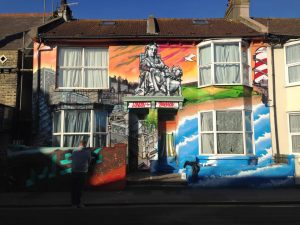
(141, 9)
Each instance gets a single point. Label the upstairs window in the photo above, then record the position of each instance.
(223, 62)
(292, 52)
(226, 132)
(83, 68)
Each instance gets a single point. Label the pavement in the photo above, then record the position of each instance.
(155, 196)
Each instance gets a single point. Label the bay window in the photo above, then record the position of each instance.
(292, 53)
(83, 68)
(226, 132)
(294, 122)
(223, 62)
(71, 126)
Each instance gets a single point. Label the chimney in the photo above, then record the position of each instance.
(152, 27)
(237, 8)
(64, 10)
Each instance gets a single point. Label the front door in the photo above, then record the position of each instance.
(143, 143)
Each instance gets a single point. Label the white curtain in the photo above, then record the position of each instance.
(230, 143)
(229, 121)
(205, 75)
(296, 143)
(207, 143)
(294, 73)
(227, 63)
(70, 62)
(293, 54)
(205, 65)
(100, 121)
(57, 122)
(207, 140)
(206, 119)
(74, 140)
(77, 121)
(246, 67)
(295, 123)
(96, 63)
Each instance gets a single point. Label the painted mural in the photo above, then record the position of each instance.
(48, 167)
(171, 144)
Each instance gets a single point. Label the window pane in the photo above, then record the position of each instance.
(229, 121)
(99, 140)
(100, 121)
(248, 124)
(56, 141)
(205, 55)
(227, 52)
(69, 78)
(207, 143)
(294, 74)
(205, 75)
(230, 144)
(294, 123)
(95, 57)
(206, 119)
(57, 122)
(296, 143)
(77, 121)
(70, 57)
(293, 54)
(227, 73)
(73, 140)
(95, 78)
(249, 143)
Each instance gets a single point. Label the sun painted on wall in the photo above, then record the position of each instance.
(124, 61)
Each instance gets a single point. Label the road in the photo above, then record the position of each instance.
(232, 214)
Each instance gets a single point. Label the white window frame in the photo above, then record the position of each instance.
(215, 132)
(82, 67)
(212, 65)
(287, 83)
(292, 133)
(91, 133)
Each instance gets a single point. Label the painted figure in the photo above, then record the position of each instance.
(155, 77)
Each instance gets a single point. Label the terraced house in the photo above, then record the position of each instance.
(214, 99)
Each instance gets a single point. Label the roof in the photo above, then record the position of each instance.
(12, 27)
(168, 28)
(282, 26)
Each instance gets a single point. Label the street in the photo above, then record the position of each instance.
(155, 214)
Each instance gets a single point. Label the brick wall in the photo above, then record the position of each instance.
(8, 89)
(12, 59)
(8, 78)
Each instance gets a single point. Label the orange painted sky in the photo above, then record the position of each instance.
(124, 60)
(48, 57)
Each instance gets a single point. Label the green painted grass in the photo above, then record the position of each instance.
(198, 95)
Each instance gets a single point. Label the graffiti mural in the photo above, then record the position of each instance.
(43, 167)
(156, 78)
(261, 72)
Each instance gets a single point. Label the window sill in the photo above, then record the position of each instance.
(78, 89)
(292, 85)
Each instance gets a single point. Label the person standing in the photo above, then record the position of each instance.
(81, 158)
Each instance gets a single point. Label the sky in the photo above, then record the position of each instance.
(141, 9)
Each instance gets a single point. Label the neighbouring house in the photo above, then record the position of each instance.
(220, 93)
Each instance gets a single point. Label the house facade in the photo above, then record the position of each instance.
(218, 93)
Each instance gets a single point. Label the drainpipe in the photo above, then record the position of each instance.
(274, 103)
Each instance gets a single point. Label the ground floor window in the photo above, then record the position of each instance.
(294, 123)
(71, 126)
(226, 132)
